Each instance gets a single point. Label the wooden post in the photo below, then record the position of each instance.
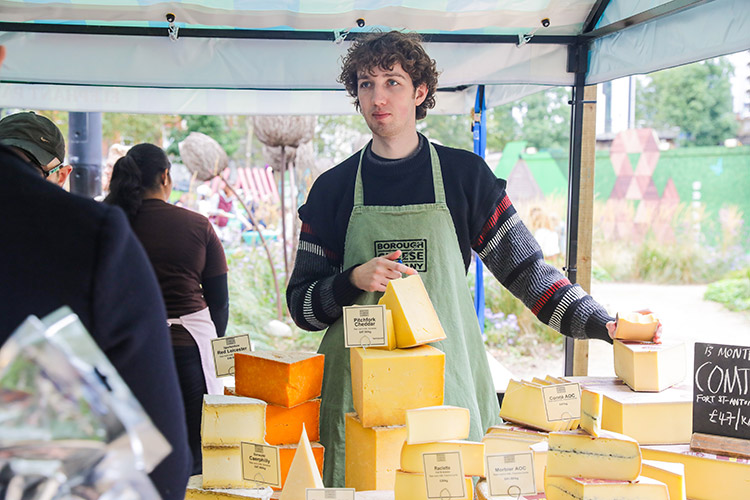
(586, 216)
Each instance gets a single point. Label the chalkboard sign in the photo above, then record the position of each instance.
(721, 390)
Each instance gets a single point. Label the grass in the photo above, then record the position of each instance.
(733, 292)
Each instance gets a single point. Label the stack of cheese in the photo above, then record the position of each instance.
(523, 404)
(606, 466)
(437, 429)
(276, 397)
(388, 381)
(641, 364)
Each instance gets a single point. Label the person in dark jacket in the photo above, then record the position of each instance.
(62, 249)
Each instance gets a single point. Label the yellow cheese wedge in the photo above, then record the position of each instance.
(372, 454)
(496, 444)
(540, 451)
(387, 383)
(195, 491)
(414, 318)
(412, 486)
(707, 476)
(636, 326)
(591, 412)
(390, 337)
(569, 488)
(472, 455)
(650, 367)
(574, 423)
(517, 432)
(303, 473)
(648, 417)
(286, 456)
(671, 474)
(577, 454)
(284, 425)
(278, 377)
(229, 420)
(523, 404)
(436, 423)
(222, 468)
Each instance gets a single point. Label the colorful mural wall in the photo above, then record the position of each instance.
(644, 186)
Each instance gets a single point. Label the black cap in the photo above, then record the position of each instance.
(35, 134)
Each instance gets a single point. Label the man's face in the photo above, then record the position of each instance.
(388, 101)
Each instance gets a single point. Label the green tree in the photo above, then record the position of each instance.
(545, 119)
(696, 98)
(132, 129)
(449, 130)
(227, 131)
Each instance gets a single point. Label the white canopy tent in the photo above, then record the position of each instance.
(279, 56)
(282, 56)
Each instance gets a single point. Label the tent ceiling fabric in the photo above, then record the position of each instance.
(204, 75)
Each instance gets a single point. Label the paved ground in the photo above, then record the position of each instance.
(683, 312)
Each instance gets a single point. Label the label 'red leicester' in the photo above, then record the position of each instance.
(413, 252)
(224, 349)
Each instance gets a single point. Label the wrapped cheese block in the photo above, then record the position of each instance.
(636, 326)
(281, 378)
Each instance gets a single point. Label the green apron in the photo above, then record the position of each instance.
(468, 382)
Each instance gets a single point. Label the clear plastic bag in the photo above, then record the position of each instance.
(69, 426)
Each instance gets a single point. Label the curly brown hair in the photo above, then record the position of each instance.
(384, 50)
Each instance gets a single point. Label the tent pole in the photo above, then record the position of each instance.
(577, 63)
(479, 131)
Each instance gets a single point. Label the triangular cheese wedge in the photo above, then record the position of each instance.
(303, 473)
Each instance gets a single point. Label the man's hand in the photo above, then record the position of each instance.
(374, 275)
(612, 326)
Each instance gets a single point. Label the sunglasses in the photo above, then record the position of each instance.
(55, 164)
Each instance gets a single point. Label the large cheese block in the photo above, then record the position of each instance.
(636, 326)
(649, 367)
(372, 454)
(591, 412)
(669, 473)
(577, 454)
(517, 432)
(496, 444)
(412, 486)
(303, 473)
(280, 378)
(287, 453)
(222, 468)
(569, 488)
(472, 455)
(222, 465)
(230, 420)
(387, 383)
(707, 476)
(390, 333)
(523, 403)
(196, 491)
(284, 425)
(664, 417)
(436, 423)
(414, 318)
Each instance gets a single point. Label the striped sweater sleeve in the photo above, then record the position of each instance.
(319, 286)
(513, 256)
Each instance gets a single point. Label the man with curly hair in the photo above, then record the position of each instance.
(433, 205)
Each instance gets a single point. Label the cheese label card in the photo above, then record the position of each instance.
(721, 390)
(562, 401)
(329, 493)
(365, 326)
(224, 349)
(260, 463)
(444, 475)
(511, 474)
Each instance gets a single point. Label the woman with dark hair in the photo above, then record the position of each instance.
(189, 262)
